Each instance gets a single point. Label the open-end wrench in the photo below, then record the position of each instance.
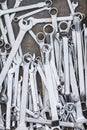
(23, 29)
(22, 125)
(23, 8)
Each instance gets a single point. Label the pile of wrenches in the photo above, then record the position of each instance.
(61, 100)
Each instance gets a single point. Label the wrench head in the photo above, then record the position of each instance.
(25, 25)
(75, 5)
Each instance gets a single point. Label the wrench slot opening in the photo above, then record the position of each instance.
(48, 3)
(15, 19)
(27, 58)
(48, 29)
(63, 26)
(40, 36)
(46, 48)
(7, 47)
(81, 16)
(53, 11)
(73, 27)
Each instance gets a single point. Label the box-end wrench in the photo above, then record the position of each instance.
(63, 27)
(23, 29)
(23, 8)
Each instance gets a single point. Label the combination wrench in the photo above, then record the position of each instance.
(22, 125)
(16, 19)
(77, 22)
(63, 27)
(46, 50)
(23, 8)
(23, 29)
(9, 94)
(53, 12)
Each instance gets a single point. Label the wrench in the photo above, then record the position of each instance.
(23, 8)
(63, 27)
(16, 19)
(75, 91)
(77, 22)
(53, 12)
(49, 20)
(70, 6)
(75, 47)
(18, 62)
(22, 125)
(46, 50)
(1, 121)
(9, 93)
(23, 30)
(9, 26)
(32, 72)
(17, 3)
(3, 31)
(19, 99)
(85, 58)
